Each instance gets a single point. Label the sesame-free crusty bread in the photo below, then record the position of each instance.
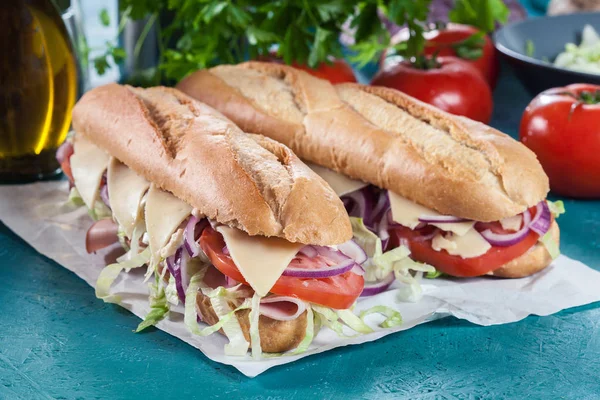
(447, 163)
(187, 148)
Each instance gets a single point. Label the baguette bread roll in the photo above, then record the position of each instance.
(187, 148)
(378, 135)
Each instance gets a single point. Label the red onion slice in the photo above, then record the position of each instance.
(193, 229)
(372, 289)
(509, 239)
(64, 152)
(542, 220)
(332, 254)
(358, 204)
(174, 263)
(104, 195)
(101, 234)
(353, 250)
(358, 270)
(441, 219)
(282, 308)
(308, 251)
(325, 272)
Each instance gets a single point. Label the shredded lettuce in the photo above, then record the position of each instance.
(366, 239)
(551, 245)
(254, 318)
(433, 275)
(110, 272)
(219, 299)
(556, 207)
(386, 262)
(354, 322)
(393, 317)
(329, 318)
(158, 306)
(100, 211)
(310, 332)
(122, 238)
(75, 198)
(171, 292)
(190, 313)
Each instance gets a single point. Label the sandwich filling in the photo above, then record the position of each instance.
(453, 245)
(192, 260)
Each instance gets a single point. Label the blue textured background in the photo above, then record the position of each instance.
(58, 341)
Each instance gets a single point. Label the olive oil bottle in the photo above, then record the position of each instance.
(38, 85)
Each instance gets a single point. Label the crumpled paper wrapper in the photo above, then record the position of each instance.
(37, 213)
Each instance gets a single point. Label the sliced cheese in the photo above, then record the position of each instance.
(261, 260)
(340, 184)
(512, 223)
(470, 245)
(164, 213)
(88, 164)
(407, 213)
(459, 228)
(126, 189)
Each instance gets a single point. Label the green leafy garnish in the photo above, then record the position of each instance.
(556, 207)
(551, 245)
(203, 33)
(482, 14)
(104, 17)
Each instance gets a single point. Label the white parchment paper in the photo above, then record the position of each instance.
(36, 212)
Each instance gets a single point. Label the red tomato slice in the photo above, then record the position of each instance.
(338, 292)
(496, 257)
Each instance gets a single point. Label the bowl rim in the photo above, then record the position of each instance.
(531, 60)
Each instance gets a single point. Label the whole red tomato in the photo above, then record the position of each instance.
(337, 71)
(454, 86)
(562, 126)
(446, 41)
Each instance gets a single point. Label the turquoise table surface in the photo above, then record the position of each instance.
(58, 341)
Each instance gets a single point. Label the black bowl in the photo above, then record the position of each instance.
(549, 36)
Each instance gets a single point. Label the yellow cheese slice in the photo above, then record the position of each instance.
(88, 164)
(407, 213)
(512, 223)
(470, 245)
(126, 189)
(340, 184)
(164, 213)
(261, 260)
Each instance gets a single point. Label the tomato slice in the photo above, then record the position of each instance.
(496, 257)
(338, 292)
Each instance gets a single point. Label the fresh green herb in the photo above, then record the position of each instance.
(104, 17)
(196, 34)
(482, 14)
(471, 48)
(529, 48)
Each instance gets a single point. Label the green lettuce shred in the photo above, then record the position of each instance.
(551, 245)
(171, 291)
(110, 272)
(557, 208)
(385, 262)
(354, 322)
(330, 319)
(433, 275)
(310, 332)
(75, 199)
(100, 211)
(393, 317)
(158, 306)
(254, 318)
(366, 239)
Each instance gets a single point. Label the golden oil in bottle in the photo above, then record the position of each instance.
(38, 84)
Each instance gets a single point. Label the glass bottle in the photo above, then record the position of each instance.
(38, 86)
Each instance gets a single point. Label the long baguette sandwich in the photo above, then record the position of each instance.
(231, 225)
(462, 196)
